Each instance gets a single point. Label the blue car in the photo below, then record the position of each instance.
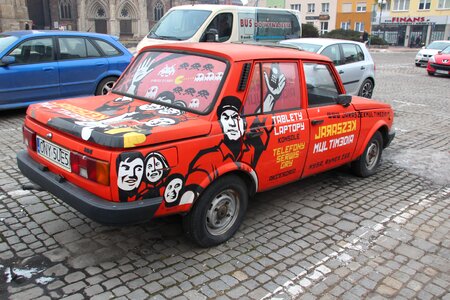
(45, 65)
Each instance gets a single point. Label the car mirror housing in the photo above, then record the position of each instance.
(7, 60)
(344, 100)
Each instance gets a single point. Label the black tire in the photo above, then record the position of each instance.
(105, 85)
(367, 164)
(366, 89)
(430, 73)
(418, 64)
(218, 213)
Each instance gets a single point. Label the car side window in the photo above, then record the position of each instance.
(334, 53)
(76, 48)
(34, 51)
(274, 87)
(107, 48)
(321, 84)
(352, 53)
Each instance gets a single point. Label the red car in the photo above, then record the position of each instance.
(439, 63)
(197, 129)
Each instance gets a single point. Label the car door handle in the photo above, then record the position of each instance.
(316, 122)
(363, 68)
(253, 134)
(341, 72)
(48, 69)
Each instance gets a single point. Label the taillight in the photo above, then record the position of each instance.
(90, 168)
(29, 138)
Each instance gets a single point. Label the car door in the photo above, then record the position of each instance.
(81, 66)
(352, 68)
(33, 76)
(334, 128)
(276, 130)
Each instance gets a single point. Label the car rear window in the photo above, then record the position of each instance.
(181, 79)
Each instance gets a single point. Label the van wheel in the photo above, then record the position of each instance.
(105, 86)
(367, 164)
(366, 89)
(218, 213)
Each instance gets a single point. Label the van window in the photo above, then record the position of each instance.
(223, 24)
(179, 24)
(279, 25)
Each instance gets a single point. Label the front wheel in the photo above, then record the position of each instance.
(366, 89)
(105, 85)
(218, 213)
(367, 164)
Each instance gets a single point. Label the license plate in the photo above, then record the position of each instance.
(441, 72)
(53, 153)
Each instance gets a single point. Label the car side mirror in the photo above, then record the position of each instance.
(7, 60)
(212, 35)
(344, 100)
(439, 52)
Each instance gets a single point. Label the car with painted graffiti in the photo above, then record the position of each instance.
(196, 130)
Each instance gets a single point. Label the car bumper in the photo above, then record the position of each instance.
(96, 208)
(437, 68)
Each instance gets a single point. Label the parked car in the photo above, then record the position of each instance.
(352, 60)
(439, 63)
(427, 52)
(196, 129)
(45, 65)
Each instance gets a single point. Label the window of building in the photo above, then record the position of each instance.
(158, 11)
(65, 9)
(323, 27)
(100, 13)
(345, 25)
(311, 7)
(325, 7)
(400, 5)
(359, 26)
(444, 4)
(296, 7)
(346, 7)
(361, 7)
(424, 4)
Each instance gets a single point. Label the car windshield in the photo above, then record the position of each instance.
(304, 46)
(446, 50)
(179, 24)
(438, 45)
(6, 41)
(190, 82)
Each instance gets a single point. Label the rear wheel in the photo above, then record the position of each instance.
(366, 89)
(218, 213)
(105, 85)
(366, 165)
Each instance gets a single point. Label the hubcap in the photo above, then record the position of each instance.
(367, 90)
(107, 87)
(222, 212)
(372, 155)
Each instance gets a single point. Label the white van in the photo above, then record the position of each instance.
(223, 23)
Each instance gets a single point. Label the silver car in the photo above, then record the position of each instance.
(352, 60)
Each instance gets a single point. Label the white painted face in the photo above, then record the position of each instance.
(154, 169)
(130, 173)
(151, 106)
(151, 92)
(173, 190)
(232, 124)
(160, 122)
(169, 111)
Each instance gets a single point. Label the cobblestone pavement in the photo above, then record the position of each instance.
(329, 236)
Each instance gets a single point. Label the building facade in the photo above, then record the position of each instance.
(355, 15)
(320, 13)
(13, 15)
(415, 23)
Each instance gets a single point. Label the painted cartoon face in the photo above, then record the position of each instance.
(160, 122)
(169, 111)
(151, 106)
(173, 190)
(130, 174)
(232, 124)
(154, 169)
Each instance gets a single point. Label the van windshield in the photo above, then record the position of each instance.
(179, 24)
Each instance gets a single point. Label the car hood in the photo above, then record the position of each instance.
(360, 103)
(440, 58)
(428, 52)
(113, 122)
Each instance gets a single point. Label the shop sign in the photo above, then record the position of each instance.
(324, 17)
(312, 18)
(408, 20)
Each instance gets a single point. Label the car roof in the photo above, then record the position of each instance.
(30, 33)
(319, 41)
(242, 51)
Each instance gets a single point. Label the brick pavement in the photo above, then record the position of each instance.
(331, 236)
